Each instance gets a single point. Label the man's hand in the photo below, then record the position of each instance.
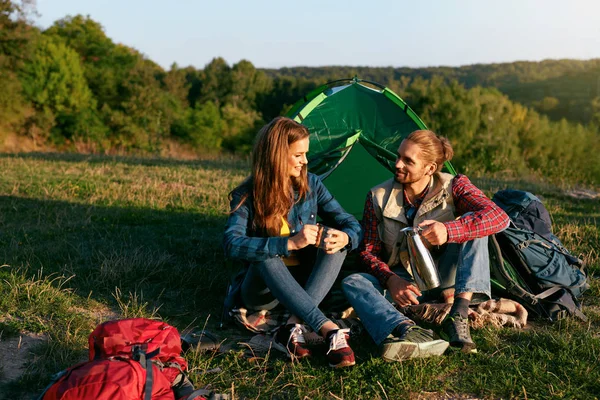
(335, 241)
(307, 236)
(434, 232)
(402, 291)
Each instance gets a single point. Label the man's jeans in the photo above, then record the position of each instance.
(465, 266)
(270, 282)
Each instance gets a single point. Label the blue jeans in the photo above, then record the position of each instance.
(270, 282)
(465, 267)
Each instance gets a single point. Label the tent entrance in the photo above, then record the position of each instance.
(352, 179)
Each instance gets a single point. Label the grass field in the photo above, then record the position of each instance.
(87, 238)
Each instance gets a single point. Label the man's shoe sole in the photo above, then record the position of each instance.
(343, 364)
(468, 348)
(399, 351)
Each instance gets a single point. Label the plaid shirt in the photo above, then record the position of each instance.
(241, 242)
(485, 219)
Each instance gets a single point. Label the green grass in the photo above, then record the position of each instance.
(88, 238)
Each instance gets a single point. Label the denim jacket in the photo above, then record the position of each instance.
(242, 243)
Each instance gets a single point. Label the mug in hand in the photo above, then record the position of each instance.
(324, 232)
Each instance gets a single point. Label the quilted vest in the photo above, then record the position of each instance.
(388, 203)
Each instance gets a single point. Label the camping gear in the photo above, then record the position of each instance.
(538, 271)
(133, 358)
(498, 313)
(110, 379)
(525, 210)
(356, 127)
(423, 268)
(200, 341)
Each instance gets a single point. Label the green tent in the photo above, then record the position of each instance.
(355, 129)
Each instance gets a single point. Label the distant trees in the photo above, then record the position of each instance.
(71, 85)
(55, 85)
(569, 85)
(16, 35)
(490, 133)
(107, 65)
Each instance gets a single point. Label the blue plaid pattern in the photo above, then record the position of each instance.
(242, 243)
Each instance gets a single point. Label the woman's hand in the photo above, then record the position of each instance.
(335, 241)
(402, 291)
(307, 236)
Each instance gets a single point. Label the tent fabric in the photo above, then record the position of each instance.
(355, 130)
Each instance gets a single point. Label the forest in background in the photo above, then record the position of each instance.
(71, 88)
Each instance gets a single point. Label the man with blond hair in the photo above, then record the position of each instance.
(456, 218)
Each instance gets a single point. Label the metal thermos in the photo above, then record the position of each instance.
(423, 268)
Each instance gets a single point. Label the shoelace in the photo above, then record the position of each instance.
(338, 340)
(417, 334)
(460, 327)
(297, 335)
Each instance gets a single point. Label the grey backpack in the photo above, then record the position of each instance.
(534, 268)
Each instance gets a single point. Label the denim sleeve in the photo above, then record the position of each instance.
(330, 210)
(239, 246)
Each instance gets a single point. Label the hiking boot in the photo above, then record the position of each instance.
(290, 340)
(414, 342)
(339, 354)
(455, 329)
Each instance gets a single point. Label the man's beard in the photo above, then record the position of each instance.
(407, 178)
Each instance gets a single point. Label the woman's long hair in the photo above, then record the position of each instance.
(270, 182)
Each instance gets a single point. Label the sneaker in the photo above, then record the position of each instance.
(414, 342)
(339, 353)
(290, 340)
(455, 329)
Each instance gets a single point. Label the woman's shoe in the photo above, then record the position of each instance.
(339, 354)
(290, 339)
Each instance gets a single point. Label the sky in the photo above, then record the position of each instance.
(274, 34)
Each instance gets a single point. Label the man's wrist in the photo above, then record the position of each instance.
(387, 278)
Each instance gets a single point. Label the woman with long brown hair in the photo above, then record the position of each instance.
(272, 229)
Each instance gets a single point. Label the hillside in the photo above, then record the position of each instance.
(88, 238)
(557, 88)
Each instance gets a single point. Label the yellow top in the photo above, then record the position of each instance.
(292, 259)
(285, 228)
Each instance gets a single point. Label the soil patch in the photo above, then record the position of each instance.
(14, 354)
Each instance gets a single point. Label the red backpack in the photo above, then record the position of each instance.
(130, 359)
(114, 379)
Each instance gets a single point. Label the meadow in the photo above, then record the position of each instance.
(88, 238)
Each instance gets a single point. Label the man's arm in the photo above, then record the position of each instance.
(370, 246)
(402, 292)
(485, 217)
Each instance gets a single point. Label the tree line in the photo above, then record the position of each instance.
(71, 87)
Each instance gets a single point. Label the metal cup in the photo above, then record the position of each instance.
(422, 266)
(324, 232)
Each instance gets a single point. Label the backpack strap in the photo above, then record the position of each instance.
(554, 245)
(571, 304)
(548, 292)
(55, 378)
(139, 355)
